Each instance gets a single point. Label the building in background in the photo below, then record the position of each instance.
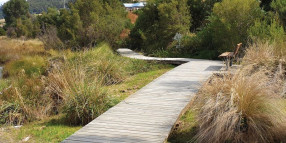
(134, 6)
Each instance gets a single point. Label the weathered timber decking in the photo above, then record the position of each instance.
(131, 54)
(149, 114)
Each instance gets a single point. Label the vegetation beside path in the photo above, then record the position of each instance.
(248, 106)
(48, 91)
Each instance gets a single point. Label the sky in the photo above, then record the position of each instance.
(3, 1)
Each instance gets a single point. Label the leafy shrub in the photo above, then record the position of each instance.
(2, 32)
(280, 8)
(87, 23)
(272, 32)
(230, 21)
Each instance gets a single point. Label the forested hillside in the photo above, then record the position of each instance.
(37, 6)
(1, 12)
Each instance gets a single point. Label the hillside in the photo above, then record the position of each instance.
(38, 6)
(1, 13)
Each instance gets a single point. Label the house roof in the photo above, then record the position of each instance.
(131, 5)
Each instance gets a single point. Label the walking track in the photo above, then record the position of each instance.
(149, 115)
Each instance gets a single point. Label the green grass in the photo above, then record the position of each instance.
(185, 129)
(46, 131)
(30, 65)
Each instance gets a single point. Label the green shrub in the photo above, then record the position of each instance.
(230, 21)
(280, 8)
(2, 32)
(262, 30)
(31, 66)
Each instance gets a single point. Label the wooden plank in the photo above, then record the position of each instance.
(149, 114)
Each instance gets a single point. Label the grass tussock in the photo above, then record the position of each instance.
(260, 53)
(23, 101)
(39, 83)
(247, 106)
(240, 109)
(79, 83)
(81, 94)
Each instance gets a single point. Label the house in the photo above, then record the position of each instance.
(134, 6)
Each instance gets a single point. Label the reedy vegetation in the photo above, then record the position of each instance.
(247, 106)
(61, 82)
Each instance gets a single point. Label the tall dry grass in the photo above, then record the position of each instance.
(23, 101)
(76, 84)
(13, 49)
(242, 108)
(247, 106)
(79, 95)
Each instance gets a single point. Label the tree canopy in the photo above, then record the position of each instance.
(158, 23)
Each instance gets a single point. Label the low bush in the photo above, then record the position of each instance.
(2, 32)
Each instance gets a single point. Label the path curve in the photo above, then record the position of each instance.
(149, 114)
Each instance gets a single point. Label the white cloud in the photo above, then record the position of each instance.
(3, 1)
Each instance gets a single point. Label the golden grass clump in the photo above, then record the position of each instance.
(76, 85)
(242, 108)
(260, 53)
(78, 93)
(246, 106)
(23, 101)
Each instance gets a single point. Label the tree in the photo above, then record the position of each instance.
(15, 9)
(87, 22)
(265, 4)
(200, 10)
(18, 20)
(230, 21)
(158, 23)
(280, 8)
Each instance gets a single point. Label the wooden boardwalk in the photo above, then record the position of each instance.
(131, 54)
(149, 114)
